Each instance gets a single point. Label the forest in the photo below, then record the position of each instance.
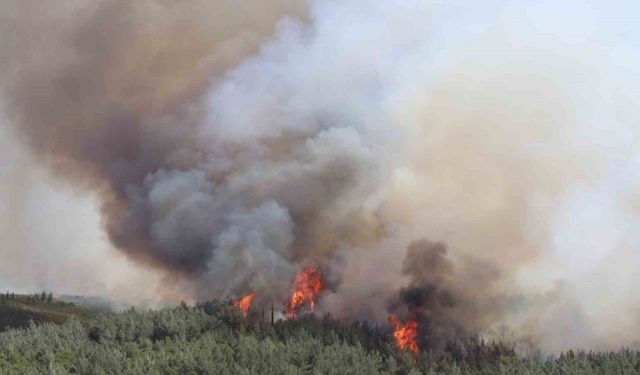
(216, 338)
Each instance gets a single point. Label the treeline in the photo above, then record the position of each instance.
(36, 297)
(213, 338)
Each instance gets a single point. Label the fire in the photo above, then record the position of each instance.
(406, 333)
(244, 302)
(307, 284)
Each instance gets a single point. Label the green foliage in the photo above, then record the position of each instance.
(213, 338)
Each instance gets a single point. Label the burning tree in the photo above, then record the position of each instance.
(244, 303)
(405, 333)
(308, 283)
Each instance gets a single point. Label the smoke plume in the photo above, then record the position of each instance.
(472, 162)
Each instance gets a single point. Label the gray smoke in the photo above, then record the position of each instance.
(447, 299)
(231, 144)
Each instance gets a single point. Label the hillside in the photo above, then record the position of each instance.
(213, 338)
(19, 310)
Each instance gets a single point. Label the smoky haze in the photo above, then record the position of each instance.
(476, 160)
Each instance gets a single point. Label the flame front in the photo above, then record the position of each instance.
(244, 302)
(308, 283)
(406, 333)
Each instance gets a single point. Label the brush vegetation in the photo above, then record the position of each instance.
(213, 338)
(18, 311)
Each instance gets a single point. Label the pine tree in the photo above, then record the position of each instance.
(50, 297)
(43, 296)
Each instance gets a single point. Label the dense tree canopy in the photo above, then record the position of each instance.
(213, 338)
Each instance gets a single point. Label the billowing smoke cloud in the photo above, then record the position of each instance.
(105, 103)
(231, 144)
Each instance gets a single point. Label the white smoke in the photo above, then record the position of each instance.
(506, 131)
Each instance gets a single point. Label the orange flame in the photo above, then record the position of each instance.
(406, 333)
(244, 302)
(308, 283)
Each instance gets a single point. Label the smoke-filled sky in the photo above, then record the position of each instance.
(478, 159)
